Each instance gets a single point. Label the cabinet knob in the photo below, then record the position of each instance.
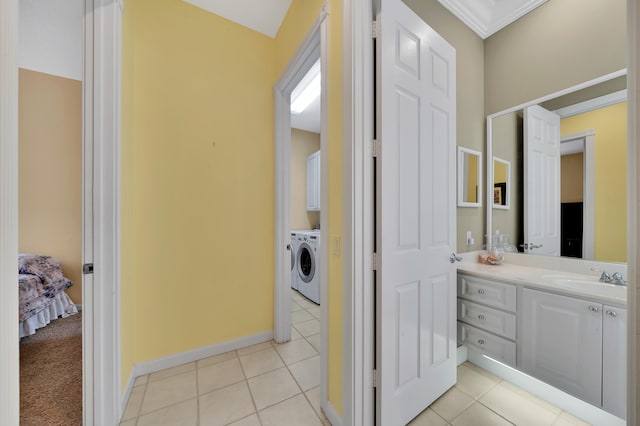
(593, 308)
(481, 317)
(481, 342)
(612, 314)
(481, 291)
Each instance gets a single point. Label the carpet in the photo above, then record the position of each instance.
(51, 374)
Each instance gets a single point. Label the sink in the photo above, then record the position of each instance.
(582, 283)
(594, 288)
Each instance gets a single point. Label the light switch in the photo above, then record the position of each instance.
(335, 245)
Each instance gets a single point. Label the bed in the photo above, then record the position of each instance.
(42, 293)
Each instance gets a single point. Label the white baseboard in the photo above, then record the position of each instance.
(555, 396)
(332, 415)
(147, 367)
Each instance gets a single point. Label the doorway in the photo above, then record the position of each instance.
(308, 64)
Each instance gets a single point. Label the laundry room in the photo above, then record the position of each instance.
(305, 189)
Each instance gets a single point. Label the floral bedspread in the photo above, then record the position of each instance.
(40, 279)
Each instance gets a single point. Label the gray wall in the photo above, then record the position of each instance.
(558, 45)
(470, 100)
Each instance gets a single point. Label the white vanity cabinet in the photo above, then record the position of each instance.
(313, 182)
(562, 343)
(614, 360)
(486, 317)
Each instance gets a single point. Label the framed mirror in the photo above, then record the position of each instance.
(501, 183)
(560, 197)
(469, 177)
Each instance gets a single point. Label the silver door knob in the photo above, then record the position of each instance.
(454, 258)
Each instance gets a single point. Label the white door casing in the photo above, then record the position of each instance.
(416, 221)
(541, 181)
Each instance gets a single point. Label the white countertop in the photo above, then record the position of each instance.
(570, 283)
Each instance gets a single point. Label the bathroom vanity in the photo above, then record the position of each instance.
(560, 325)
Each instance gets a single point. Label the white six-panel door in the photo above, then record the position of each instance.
(416, 216)
(541, 181)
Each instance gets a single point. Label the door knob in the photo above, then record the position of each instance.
(454, 258)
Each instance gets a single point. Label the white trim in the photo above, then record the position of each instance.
(555, 396)
(587, 139)
(358, 224)
(101, 194)
(332, 415)
(593, 104)
(487, 21)
(158, 364)
(9, 355)
(562, 92)
(314, 46)
(633, 186)
(302, 61)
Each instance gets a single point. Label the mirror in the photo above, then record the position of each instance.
(469, 177)
(571, 201)
(501, 183)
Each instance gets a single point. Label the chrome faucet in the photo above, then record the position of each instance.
(615, 278)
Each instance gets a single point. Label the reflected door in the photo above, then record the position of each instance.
(416, 215)
(541, 181)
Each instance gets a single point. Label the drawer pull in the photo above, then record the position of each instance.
(612, 314)
(481, 291)
(593, 308)
(481, 317)
(481, 342)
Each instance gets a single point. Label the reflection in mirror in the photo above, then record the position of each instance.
(501, 183)
(590, 180)
(469, 177)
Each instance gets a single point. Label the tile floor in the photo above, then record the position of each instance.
(278, 384)
(481, 399)
(261, 385)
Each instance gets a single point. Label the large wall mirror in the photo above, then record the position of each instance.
(567, 156)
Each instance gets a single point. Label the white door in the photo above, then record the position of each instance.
(541, 181)
(416, 216)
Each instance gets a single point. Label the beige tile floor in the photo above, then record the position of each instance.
(278, 384)
(261, 385)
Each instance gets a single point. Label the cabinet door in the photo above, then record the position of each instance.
(313, 182)
(614, 361)
(562, 343)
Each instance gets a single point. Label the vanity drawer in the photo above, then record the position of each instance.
(490, 293)
(500, 349)
(497, 322)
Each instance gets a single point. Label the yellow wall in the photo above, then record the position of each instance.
(571, 178)
(610, 126)
(197, 177)
(303, 144)
(50, 171)
(472, 178)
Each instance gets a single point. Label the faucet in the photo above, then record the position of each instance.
(615, 278)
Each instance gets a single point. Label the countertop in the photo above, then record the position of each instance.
(585, 286)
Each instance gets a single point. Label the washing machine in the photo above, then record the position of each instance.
(294, 252)
(308, 265)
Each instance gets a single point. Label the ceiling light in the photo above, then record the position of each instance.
(307, 91)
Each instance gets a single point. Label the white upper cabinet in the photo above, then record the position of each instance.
(313, 182)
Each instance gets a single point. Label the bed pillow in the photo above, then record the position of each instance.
(46, 268)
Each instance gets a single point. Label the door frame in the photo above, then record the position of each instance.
(358, 221)
(101, 151)
(587, 139)
(313, 46)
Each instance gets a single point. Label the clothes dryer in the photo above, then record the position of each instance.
(308, 265)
